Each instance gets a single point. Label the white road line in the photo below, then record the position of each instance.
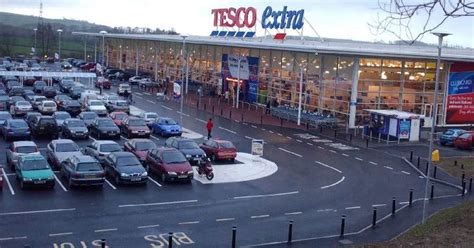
(270, 131)
(345, 155)
(332, 151)
(326, 210)
(403, 203)
(110, 184)
(13, 238)
(388, 167)
(146, 93)
(334, 184)
(268, 195)
(228, 130)
(106, 230)
(299, 141)
(259, 216)
(327, 166)
(92, 138)
(140, 94)
(404, 172)
(290, 152)
(188, 223)
(237, 121)
(148, 226)
(156, 203)
(38, 211)
(155, 138)
(373, 163)
(181, 113)
(168, 108)
(309, 144)
(225, 219)
(421, 177)
(250, 138)
(59, 182)
(60, 234)
(288, 137)
(201, 120)
(293, 213)
(139, 97)
(320, 147)
(246, 124)
(263, 129)
(8, 182)
(359, 159)
(279, 134)
(253, 126)
(379, 205)
(121, 136)
(355, 207)
(150, 101)
(155, 182)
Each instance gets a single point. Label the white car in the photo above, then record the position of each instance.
(135, 80)
(149, 117)
(96, 106)
(146, 82)
(109, 99)
(124, 88)
(37, 100)
(20, 107)
(47, 107)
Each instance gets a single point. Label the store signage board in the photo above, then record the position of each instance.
(246, 18)
(460, 94)
(257, 147)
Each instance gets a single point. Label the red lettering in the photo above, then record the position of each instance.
(216, 13)
(232, 17)
(253, 11)
(238, 17)
(223, 22)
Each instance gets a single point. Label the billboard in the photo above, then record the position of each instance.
(460, 97)
(248, 74)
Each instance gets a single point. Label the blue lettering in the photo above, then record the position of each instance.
(290, 15)
(283, 18)
(275, 19)
(298, 21)
(266, 14)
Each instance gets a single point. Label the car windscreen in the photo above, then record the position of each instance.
(40, 83)
(136, 122)
(113, 98)
(76, 123)
(90, 166)
(144, 146)
(110, 148)
(89, 115)
(120, 116)
(173, 157)
(106, 123)
(188, 144)
(36, 164)
(121, 103)
(46, 121)
(4, 116)
(18, 124)
(49, 104)
(227, 145)
(23, 103)
(96, 103)
(125, 87)
(151, 116)
(127, 161)
(73, 104)
(62, 116)
(167, 122)
(449, 132)
(67, 147)
(26, 149)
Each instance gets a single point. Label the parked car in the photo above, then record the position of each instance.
(4, 116)
(118, 117)
(60, 149)
(21, 108)
(217, 149)
(110, 99)
(15, 128)
(139, 147)
(88, 66)
(29, 81)
(28, 93)
(16, 91)
(145, 83)
(104, 128)
(73, 107)
(124, 89)
(96, 106)
(59, 117)
(20, 148)
(65, 85)
(47, 107)
(125, 168)
(119, 105)
(134, 80)
(82, 170)
(66, 66)
(76, 91)
(88, 118)
(465, 140)
(170, 164)
(44, 126)
(11, 84)
(103, 82)
(448, 136)
(4, 102)
(30, 116)
(188, 147)
(166, 127)
(74, 128)
(60, 99)
(13, 99)
(100, 149)
(134, 127)
(37, 100)
(149, 117)
(49, 91)
(38, 86)
(34, 170)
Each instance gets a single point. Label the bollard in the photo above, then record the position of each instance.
(367, 143)
(394, 202)
(463, 177)
(102, 243)
(170, 240)
(230, 115)
(418, 162)
(432, 191)
(470, 185)
(455, 163)
(261, 119)
(212, 109)
(222, 112)
(374, 217)
(234, 234)
(350, 138)
(335, 133)
(410, 200)
(281, 122)
(343, 225)
(434, 171)
(463, 187)
(290, 231)
(242, 117)
(320, 129)
(307, 125)
(380, 136)
(205, 107)
(411, 156)
(462, 166)
(426, 170)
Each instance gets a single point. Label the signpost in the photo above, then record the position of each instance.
(257, 148)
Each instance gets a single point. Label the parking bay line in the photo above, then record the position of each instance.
(168, 108)
(155, 138)
(355, 207)
(201, 120)
(38, 211)
(106, 230)
(293, 213)
(290, 152)
(372, 163)
(259, 216)
(150, 101)
(225, 219)
(59, 182)
(148, 226)
(407, 173)
(59, 234)
(155, 182)
(139, 97)
(13, 238)
(268, 195)
(228, 130)
(188, 223)
(8, 182)
(328, 166)
(358, 158)
(388, 167)
(157, 203)
(110, 184)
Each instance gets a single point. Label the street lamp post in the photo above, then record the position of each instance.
(300, 96)
(435, 115)
(35, 29)
(238, 82)
(103, 33)
(182, 81)
(59, 32)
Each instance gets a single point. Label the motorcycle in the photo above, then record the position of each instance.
(205, 168)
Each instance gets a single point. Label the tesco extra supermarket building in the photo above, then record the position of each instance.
(339, 77)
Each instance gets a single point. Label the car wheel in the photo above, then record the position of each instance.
(163, 177)
(162, 134)
(232, 160)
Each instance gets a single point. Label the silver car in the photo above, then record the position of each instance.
(18, 148)
(100, 149)
(59, 150)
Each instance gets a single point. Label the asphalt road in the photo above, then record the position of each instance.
(315, 184)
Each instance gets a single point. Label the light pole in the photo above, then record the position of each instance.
(301, 96)
(35, 29)
(182, 81)
(238, 82)
(59, 32)
(103, 33)
(435, 115)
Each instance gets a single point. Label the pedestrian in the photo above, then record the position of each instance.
(130, 98)
(209, 127)
(267, 109)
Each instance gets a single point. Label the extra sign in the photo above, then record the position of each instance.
(246, 17)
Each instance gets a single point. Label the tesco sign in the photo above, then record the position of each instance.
(247, 17)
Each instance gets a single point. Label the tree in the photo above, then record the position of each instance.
(401, 18)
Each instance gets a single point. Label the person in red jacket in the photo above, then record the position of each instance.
(209, 127)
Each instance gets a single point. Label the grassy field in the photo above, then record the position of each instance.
(456, 171)
(23, 46)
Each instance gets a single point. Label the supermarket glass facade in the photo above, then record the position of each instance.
(328, 80)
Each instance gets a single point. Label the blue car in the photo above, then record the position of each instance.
(15, 128)
(448, 137)
(166, 127)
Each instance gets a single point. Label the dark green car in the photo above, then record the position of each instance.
(34, 170)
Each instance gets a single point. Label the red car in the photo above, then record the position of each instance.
(170, 164)
(465, 140)
(139, 147)
(219, 149)
(135, 127)
(118, 117)
(103, 82)
(88, 66)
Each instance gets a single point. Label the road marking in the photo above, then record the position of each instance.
(8, 182)
(359, 159)
(60, 234)
(225, 219)
(293, 213)
(259, 216)
(155, 138)
(60, 184)
(270, 131)
(246, 124)
(421, 177)
(263, 129)
(155, 182)
(150, 101)
(121, 136)
(228, 130)
(345, 155)
(279, 134)
(404, 172)
(12, 238)
(332, 151)
(290, 152)
(250, 138)
(355, 207)
(168, 108)
(309, 144)
(237, 121)
(379, 205)
(39, 211)
(181, 113)
(320, 147)
(299, 141)
(139, 97)
(326, 210)
(403, 203)
(92, 138)
(111, 185)
(148, 226)
(253, 126)
(156, 203)
(373, 163)
(201, 120)
(146, 93)
(188, 223)
(288, 137)
(268, 195)
(334, 184)
(106, 230)
(388, 167)
(327, 166)
(140, 94)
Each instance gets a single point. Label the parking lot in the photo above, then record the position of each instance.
(317, 180)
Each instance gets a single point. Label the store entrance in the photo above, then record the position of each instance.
(231, 84)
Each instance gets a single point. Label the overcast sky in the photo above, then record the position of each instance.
(331, 18)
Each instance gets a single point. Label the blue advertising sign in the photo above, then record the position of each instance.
(460, 82)
(404, 132)
(248, 74)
